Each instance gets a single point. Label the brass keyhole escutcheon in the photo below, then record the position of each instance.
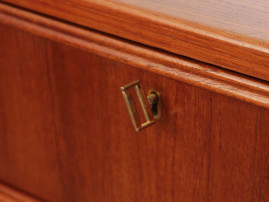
(154, 101)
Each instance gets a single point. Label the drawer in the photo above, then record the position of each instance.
(66, 134)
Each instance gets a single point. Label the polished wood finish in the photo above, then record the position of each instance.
(169, 65)
(9, 194)
(245, 17)
(68, 137)
(232, 35)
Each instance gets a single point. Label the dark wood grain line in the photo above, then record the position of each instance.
(175, 67)
(229, 50)
(53, 105)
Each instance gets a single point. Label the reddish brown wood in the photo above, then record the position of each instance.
(244, 17)
(233, 35)
(9, 194)
(175, 67)
(67, 135)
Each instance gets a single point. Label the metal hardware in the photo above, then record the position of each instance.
(153, 99)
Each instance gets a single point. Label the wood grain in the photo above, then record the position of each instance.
(67, 135)
(9, 194)
(232, 35)
(159, 62)
(244, 17)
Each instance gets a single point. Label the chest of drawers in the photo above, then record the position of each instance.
(66, 134)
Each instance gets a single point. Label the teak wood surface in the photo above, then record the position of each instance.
(159, 62)
(9, 194)
(229, 34)
(67, 135)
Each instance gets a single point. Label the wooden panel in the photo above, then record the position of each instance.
(159, 62)
(26, 125)
(233, 35)
(244, 17)
(68, 137)
(8, 194)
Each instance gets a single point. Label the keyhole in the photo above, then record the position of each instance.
(154, 101)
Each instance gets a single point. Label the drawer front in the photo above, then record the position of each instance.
(66, 134)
